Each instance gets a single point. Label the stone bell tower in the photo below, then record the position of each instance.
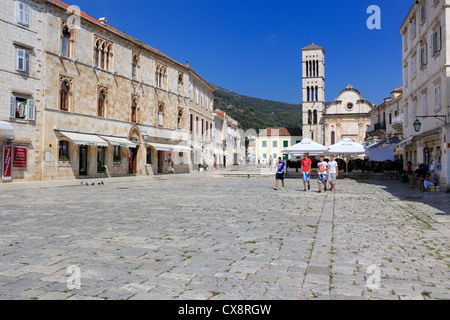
(313, 83)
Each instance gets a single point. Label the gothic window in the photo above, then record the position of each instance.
(180, 118)
(134, 67)
(101, 104)
(103, 54)
(160, 76)
(64, 96)
(65, 41)
(333, 138)
(315, 117)
(308, 92)
(160, 116)
(133, 111)
(310, 117)
(180, 82)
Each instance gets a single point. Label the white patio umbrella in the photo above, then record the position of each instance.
(347, 147)
(306, 146)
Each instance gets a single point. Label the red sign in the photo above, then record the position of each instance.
(6, 163)
(20, 157)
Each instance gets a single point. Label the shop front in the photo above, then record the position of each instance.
(163, 158)
(84, 155)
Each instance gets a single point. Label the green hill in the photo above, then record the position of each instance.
(254, 113)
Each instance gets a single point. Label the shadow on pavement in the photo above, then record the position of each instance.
(403, 191)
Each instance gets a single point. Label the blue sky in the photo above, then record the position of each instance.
(254, 47)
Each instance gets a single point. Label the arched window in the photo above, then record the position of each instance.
(97, 53)
(65, 41)
(315, 117)
(134, 67)
(309, 117)
(180, 118)
(104, 56)
(64, 96)
(101, 104)
(316, 97)
(160, 116)
(180, 82)
(133, 111)
(333, 138)
(308, 92)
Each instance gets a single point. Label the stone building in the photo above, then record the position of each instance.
(387, 117)
(110, 105)
(347, 117)
(313, 92)
(228, 147)
(21, 80)
(271, 142)
(426, 99)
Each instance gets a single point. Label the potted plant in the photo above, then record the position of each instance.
(200, 167)
(101, 169)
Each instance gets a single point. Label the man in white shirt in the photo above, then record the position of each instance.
(333, 173)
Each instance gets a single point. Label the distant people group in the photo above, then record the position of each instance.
(328, 172)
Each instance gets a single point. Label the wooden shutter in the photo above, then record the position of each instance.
(12, 107)
(23, 13)
(31, 110)
(20, 59)
(27, 15)
(439, 38)
(27, 61)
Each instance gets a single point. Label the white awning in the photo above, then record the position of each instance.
(170, 147)
(121, 142)
(6, 131)
(85, 139)
(402, 144)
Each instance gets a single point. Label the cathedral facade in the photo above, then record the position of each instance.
(348, 116)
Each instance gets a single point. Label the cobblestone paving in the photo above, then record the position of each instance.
(203, 237)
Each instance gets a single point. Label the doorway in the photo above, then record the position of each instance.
(161, 160)
(132, 165)
(83, 161)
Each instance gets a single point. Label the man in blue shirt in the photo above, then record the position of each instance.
(281, 170)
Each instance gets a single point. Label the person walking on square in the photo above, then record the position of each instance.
(333, 173)
(323, 168)
(306, 171)
(270, 163)
(281, 171)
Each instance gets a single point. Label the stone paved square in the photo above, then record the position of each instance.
(202, 236)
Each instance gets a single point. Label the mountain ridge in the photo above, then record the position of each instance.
(256, 113)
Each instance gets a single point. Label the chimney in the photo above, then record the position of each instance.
(103, 21)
